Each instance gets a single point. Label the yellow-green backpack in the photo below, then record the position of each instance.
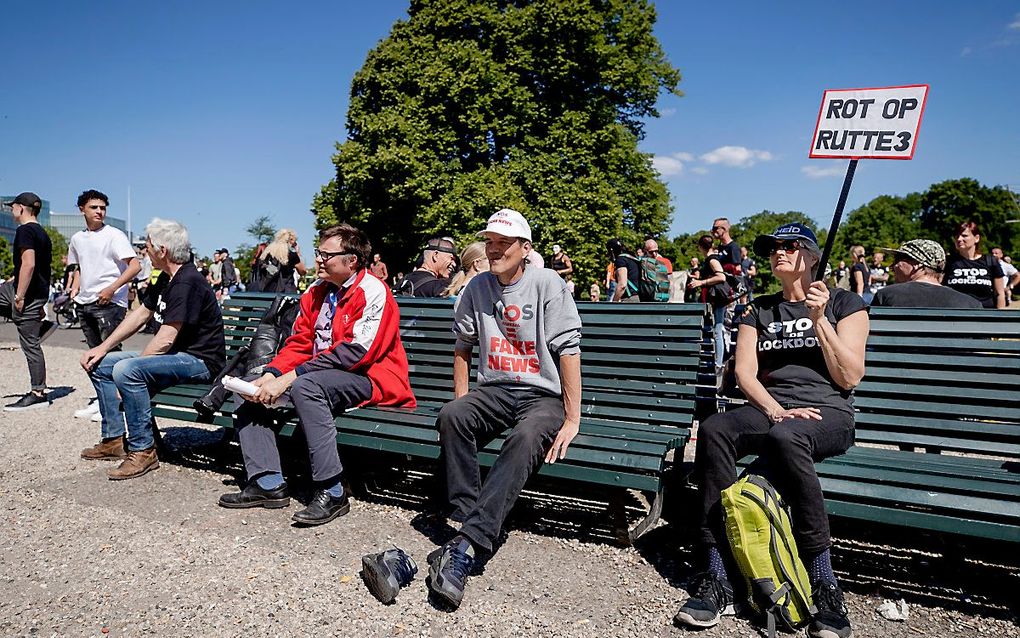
(761, 540)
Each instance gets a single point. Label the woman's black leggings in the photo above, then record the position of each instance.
(787, 454)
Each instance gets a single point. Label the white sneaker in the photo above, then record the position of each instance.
(97, 417)
(87, 411)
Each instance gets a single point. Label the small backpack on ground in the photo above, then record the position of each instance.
(761, 540)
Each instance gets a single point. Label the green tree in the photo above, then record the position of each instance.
(59, 251)
(885, 222)
(948, 203)
(472, 105)
(6, 260)
(261, 231)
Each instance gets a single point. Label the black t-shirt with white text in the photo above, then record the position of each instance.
(974, 277)
(917, 294)
(32, 236)
(188, 299)
(791, 365)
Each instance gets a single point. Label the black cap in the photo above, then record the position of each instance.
(28, 199)
(223, 250)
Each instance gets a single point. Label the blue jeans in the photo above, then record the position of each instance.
(719, 330)
(137, 378)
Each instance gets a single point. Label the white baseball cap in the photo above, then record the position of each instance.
(509, 223)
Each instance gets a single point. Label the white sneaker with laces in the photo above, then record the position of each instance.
(87, 411)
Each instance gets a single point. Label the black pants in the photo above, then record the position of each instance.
(787, 453)
(469, 424)
(99, 322)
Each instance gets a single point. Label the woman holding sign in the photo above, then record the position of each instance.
(972, 273)
(799, 355)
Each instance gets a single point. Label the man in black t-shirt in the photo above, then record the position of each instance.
(432, 277)
(188, 348)
(729, 250)
(23, 299)
(917, 267)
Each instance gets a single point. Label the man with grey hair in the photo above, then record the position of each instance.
(917, 267)
(432, 276)
(187, 348)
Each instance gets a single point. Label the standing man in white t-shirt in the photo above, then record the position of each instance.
(106, 262)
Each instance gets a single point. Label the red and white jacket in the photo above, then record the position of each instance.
(366, 340)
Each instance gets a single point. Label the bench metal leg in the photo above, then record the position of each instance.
(625, 534)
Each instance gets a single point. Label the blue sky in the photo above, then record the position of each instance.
(215, 113)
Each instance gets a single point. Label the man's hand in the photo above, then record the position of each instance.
(563, 438)
(91, 359)
(105, 295)
(270, 388)
(19, 305)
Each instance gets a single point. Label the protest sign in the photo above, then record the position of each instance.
(856, 124)
(880, 123)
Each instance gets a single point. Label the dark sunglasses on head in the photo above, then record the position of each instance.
(715, 228)
(786, 246)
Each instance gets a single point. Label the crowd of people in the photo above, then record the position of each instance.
(799, 355)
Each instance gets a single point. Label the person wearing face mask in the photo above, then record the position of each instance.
(800, 353)
(432, 277)
(972, 273)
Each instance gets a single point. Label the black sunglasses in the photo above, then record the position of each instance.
(326, 255)
(787, 246)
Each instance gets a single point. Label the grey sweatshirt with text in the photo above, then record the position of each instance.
(521, 329)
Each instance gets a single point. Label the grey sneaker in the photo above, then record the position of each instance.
(386, 572)
(448, 570)
(711, 598)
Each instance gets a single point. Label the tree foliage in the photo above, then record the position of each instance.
(59, 250)
(6, 259)
(948, 203)
(262, 229)
(473, 105)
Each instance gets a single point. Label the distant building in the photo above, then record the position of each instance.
(7, 223)
(67, 224)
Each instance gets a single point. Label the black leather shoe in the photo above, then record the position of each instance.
(254, 496)
(323, 508)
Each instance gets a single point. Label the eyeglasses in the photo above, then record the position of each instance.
(325, 256)
(787, 246)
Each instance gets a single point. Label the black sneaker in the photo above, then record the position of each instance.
(448, 570)
(30, 401)
(254, 496)
(831, 620)
(711, 597)
(46, 328)
(323, 508)
(386, 572)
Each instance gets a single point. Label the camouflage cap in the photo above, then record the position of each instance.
(925, 252)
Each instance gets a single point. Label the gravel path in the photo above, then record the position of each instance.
(84, 556)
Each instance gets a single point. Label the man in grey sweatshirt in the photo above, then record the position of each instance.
(528, 334)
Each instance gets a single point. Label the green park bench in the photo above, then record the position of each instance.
(938, 426)
(639, 366)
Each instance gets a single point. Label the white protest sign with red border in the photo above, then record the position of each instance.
(877, 123)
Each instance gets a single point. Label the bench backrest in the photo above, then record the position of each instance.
(942, 379)
(639, 362)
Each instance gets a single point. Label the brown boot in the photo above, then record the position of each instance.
(106, 450)
(136, 464)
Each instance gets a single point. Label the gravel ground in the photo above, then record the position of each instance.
(84, 556)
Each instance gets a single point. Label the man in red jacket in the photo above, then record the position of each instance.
(345, 351)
